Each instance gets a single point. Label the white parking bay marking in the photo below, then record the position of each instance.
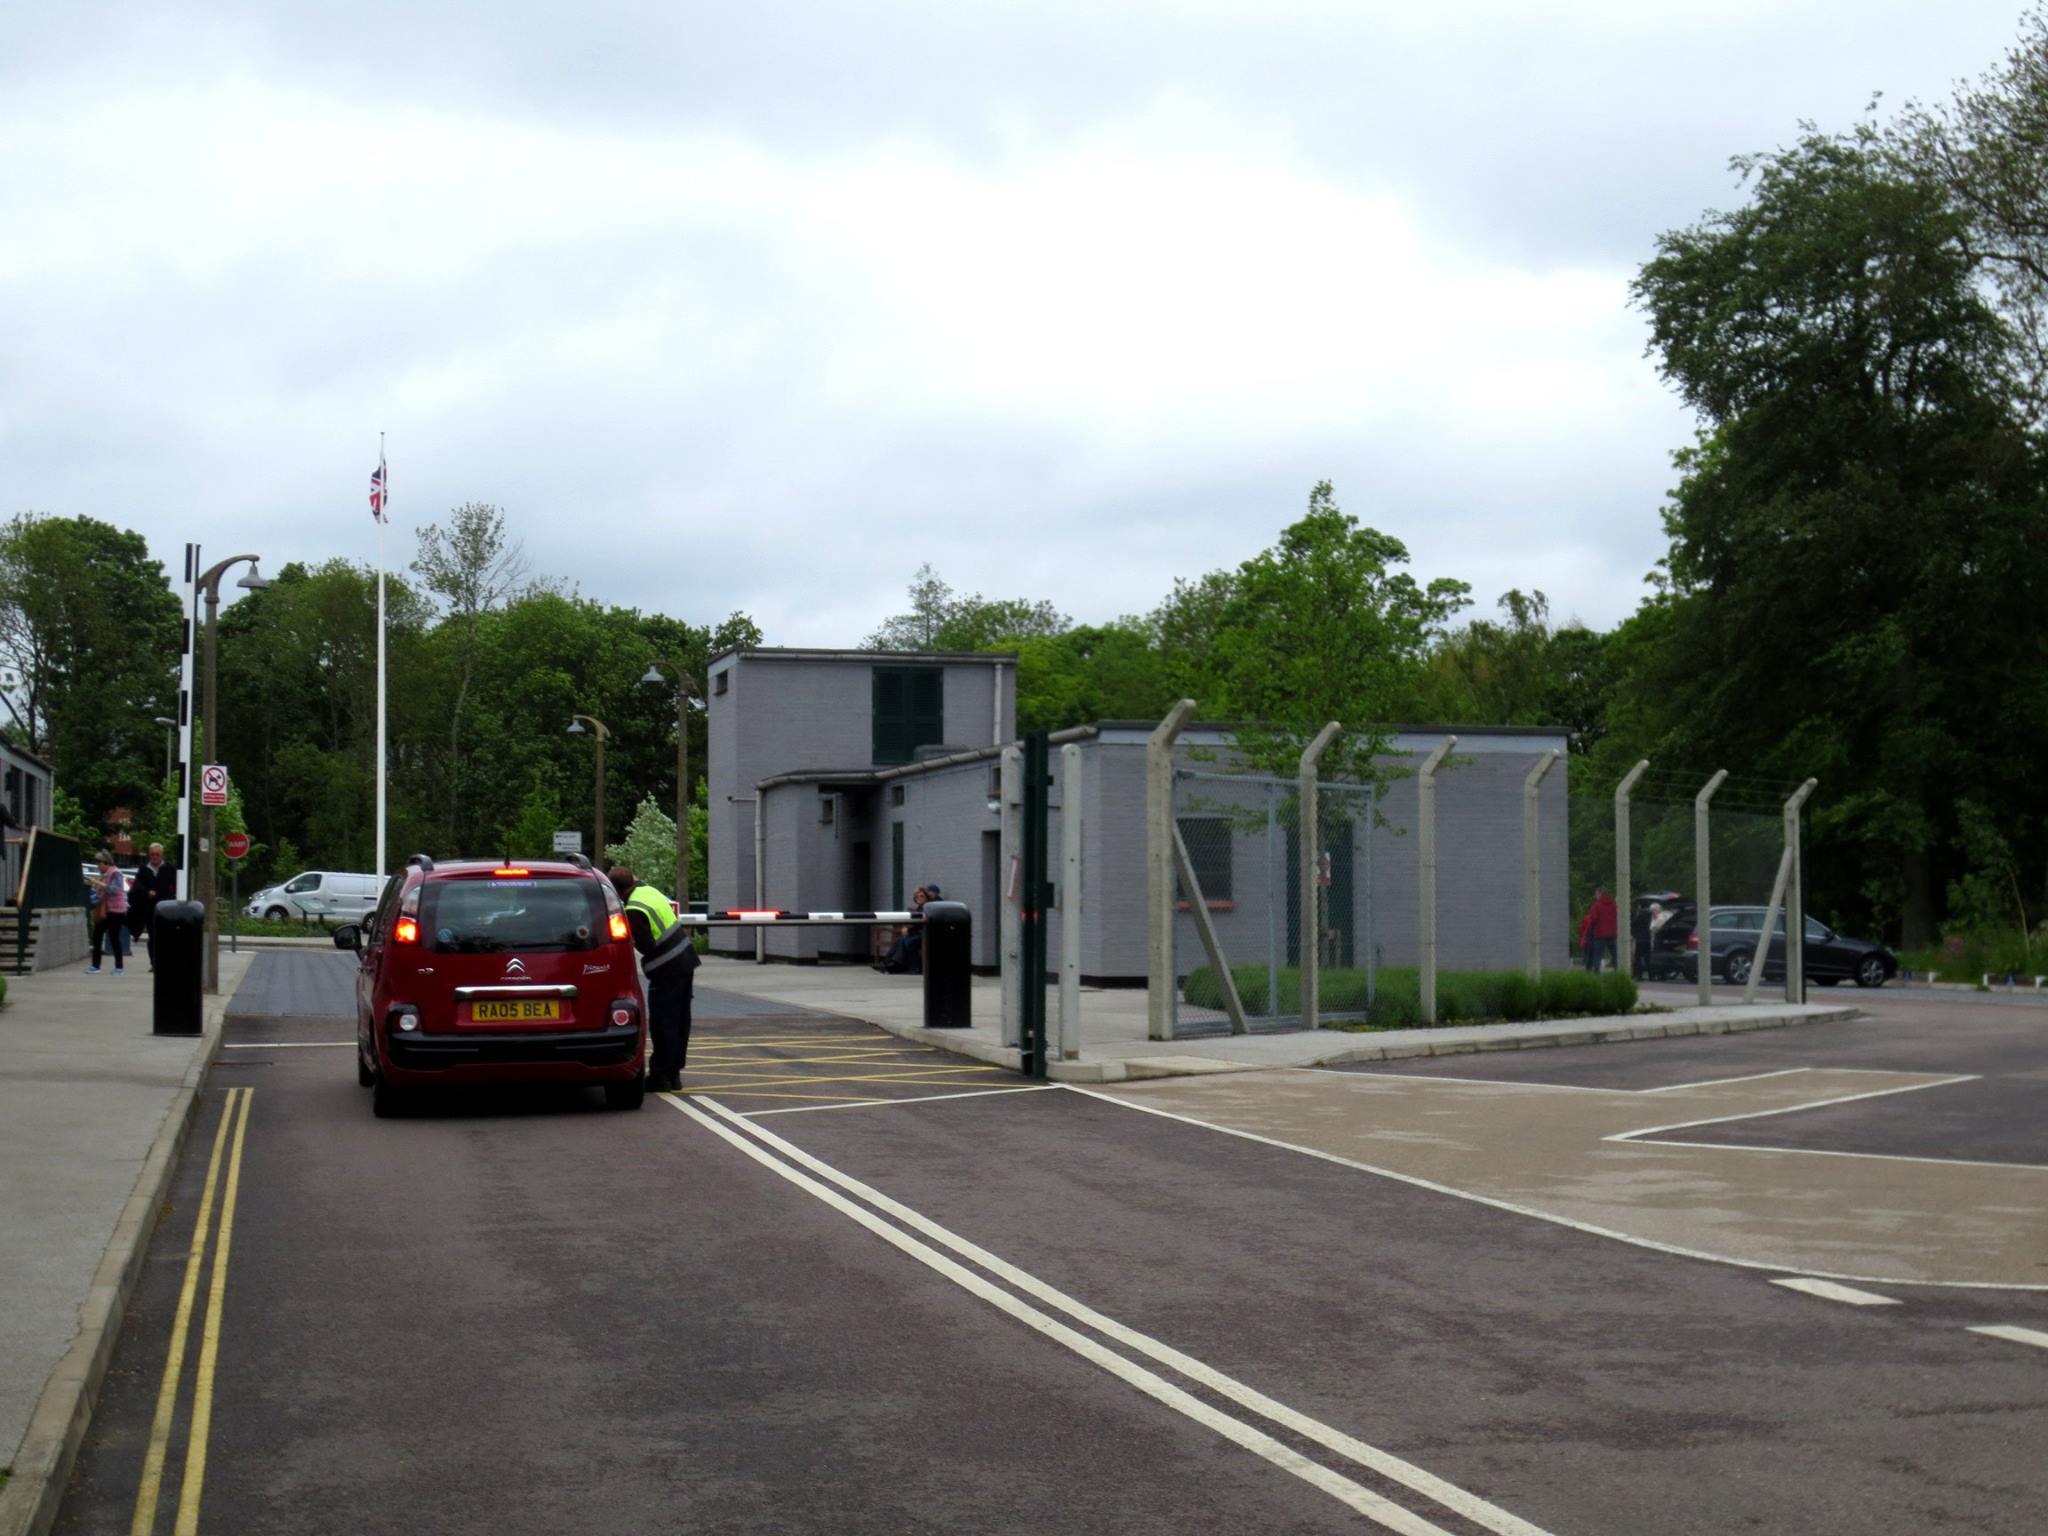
(1460, 1502)
(1827, 1290)
(2006, 1331)
(281, 1045)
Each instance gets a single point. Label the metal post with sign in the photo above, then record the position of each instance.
(236, 846)
(568, 842)
(213, 794)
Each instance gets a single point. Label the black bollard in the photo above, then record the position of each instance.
(948, 956)
(180, 929)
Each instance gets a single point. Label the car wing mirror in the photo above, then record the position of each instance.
(349, 936)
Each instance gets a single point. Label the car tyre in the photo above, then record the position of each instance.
(1827, 981)
(1736, 967)
(365, 1078)
(1871, 971)
(386, 1102)
(624, 1096)
(276, 915)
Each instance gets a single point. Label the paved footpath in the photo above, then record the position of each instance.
(91, 1109)
(846, 1284)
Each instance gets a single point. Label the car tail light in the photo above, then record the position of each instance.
(619, 928)
(1692, 941)
(510, 874)
(405, 931)
(622, 1017)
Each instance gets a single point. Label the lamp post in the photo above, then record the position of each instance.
(576, 729)
(683, 692)
(202, 867)
(170, 745)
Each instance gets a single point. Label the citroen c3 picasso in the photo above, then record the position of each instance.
(481, 972)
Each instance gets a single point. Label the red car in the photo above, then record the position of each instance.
(479, 972)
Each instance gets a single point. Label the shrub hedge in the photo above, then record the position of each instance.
(1462, 997)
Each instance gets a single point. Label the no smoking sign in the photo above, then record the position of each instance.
(213, 784)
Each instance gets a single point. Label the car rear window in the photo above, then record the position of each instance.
(488, 917)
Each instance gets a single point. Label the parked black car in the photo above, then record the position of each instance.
(1830, 957)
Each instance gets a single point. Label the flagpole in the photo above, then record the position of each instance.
(384, 514)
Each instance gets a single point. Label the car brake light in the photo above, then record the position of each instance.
(622, 1017)
(1692, 941)
(510, 874)
(405, 931)
(619, 928)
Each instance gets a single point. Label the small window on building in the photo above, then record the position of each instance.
(826, 803)
(719, 681)
(895, 794)
(1208, 840)
(909, 712)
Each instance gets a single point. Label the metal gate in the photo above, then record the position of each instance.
(1242, 834)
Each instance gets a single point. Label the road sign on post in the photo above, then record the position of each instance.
(568, 842)
(235, 845)
(213, 784)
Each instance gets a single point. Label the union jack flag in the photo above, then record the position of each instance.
(380, 490)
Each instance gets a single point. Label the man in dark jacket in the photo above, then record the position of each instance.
(154, 882)
(668, 954)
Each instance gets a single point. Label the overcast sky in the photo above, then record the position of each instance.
(757, 307)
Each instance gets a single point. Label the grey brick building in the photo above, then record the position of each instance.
(862, 775)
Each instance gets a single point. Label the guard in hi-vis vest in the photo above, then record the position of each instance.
(667, 957)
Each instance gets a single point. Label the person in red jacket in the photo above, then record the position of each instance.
(1596, 930)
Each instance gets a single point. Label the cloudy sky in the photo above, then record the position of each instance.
(758, 307)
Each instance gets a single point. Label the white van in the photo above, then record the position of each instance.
(321, 896)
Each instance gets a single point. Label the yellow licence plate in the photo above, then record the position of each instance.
(519, 1011)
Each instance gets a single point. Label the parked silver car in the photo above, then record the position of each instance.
(323, 896)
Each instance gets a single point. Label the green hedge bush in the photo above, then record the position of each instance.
(1462, 997)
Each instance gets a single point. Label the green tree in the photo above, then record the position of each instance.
(90, 630)
(1092, 672)
(532, 834)
(1322, 626)
(1861, 480)
(649, 847)
(940, 620)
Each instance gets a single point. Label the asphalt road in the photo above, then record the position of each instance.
(879, 1307)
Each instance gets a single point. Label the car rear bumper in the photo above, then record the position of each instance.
(611, 1054)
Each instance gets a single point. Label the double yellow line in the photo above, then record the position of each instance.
(236, 1117)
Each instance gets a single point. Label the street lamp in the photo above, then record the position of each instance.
(202, 867)
(683, 693)
(603, 735)
(170, 745)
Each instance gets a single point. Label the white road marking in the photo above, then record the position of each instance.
(1881, 1157)
(1786, 1109)
(1523, 1210)
(1716, 1082)
(1483, 1082)
(2016, 1335)
(929, 1098)
(1468, 1505)
(1827, 1290)
(281, 1045)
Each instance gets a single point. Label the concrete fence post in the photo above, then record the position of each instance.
(1425, 801)
(1624, 946)
(1070, 902)
(1795, 897)
(1532, 865)
(1702, 853)
(1160, 982)
(1309, 956)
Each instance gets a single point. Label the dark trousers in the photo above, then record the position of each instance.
(668, 1021)
(144, 930)
(106, 934)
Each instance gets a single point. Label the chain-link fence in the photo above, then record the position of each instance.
(1242, 837)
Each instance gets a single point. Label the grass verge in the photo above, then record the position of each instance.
(1462, 997)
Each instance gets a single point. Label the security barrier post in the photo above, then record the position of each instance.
(1702, 849)
(1624, 946)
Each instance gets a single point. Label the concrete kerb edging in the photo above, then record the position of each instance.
(1387, 1047)
(56, 1429)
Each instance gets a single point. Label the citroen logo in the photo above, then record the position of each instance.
(515, 967)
